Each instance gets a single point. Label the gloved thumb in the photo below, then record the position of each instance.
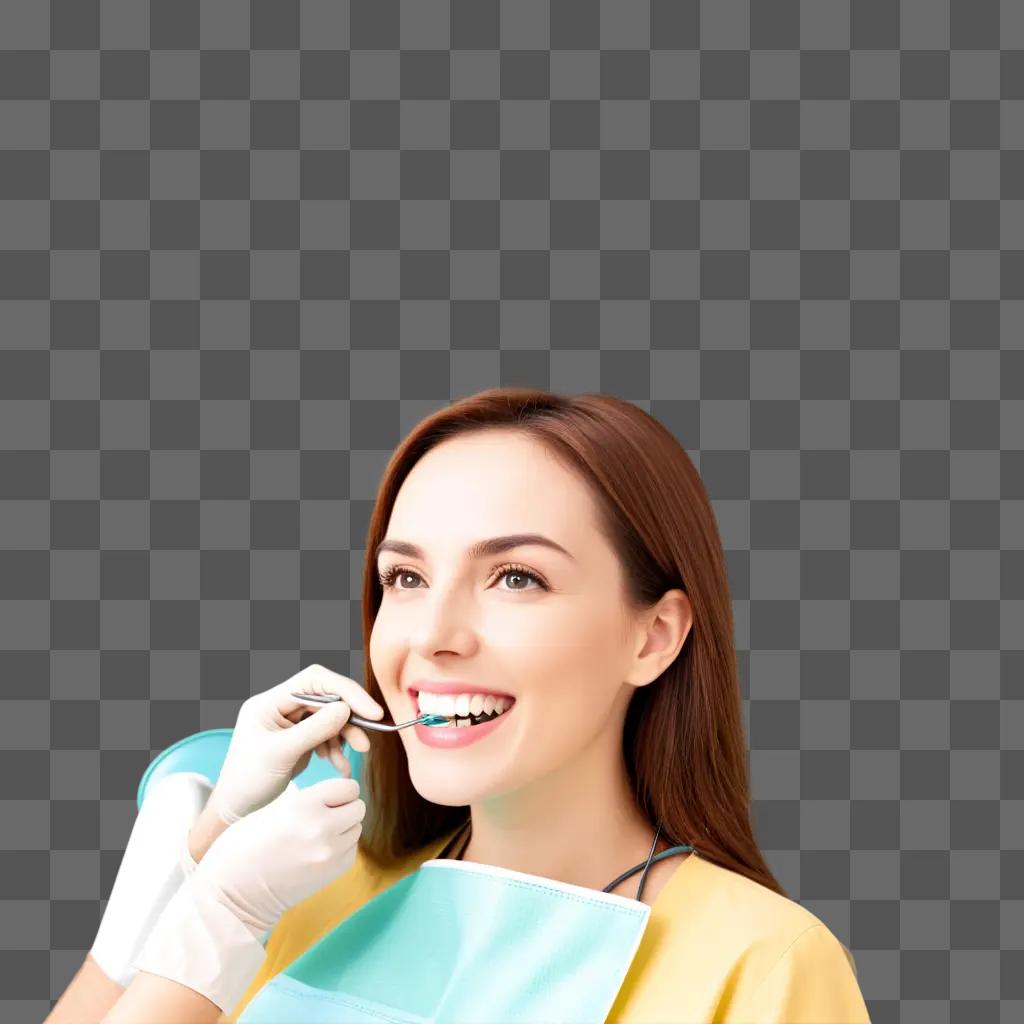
(324, 723)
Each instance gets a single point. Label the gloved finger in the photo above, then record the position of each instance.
(356, 738)
(341, 817)
(351, 835)
(332, 792)
(337, 758)
(295, 740)
(320, 681)
(300, 765)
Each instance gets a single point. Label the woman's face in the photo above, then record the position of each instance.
(562, 652)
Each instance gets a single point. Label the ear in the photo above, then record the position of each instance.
(663, 631)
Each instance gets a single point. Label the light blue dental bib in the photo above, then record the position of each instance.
(458, 941)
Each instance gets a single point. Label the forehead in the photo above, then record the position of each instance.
(488, 484)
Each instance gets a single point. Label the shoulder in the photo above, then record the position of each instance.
(765, 923)
(734, 945)
(721, 899)
(812, 979)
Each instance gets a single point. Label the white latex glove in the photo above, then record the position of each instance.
(275, 735)
(155, 863)
(208, 935)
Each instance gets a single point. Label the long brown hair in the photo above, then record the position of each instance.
(683, 736)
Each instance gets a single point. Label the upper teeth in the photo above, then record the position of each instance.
(449, 704)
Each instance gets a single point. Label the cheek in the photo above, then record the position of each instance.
(582, 625)
(571, 648)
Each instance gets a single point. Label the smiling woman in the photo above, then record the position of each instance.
(512, 541)
(563, 551)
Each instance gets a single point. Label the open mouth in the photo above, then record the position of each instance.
(468, 721)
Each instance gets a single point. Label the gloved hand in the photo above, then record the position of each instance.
(155, 863)
(208, 935)
(275, 735)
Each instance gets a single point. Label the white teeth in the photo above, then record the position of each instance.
(449, 705)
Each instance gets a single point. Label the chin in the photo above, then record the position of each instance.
(447, 792)
(446, 797)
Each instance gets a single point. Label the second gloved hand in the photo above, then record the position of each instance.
(284, 852)
(208, 935)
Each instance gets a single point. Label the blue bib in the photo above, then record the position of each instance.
(464, 942)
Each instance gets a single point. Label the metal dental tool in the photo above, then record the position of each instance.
(316, 700)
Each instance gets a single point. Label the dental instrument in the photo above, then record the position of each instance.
(318, 700)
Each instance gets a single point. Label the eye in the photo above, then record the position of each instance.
(388, 576)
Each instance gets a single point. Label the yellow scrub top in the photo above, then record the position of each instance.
(718, 948)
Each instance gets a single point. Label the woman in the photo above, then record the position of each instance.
(610, 629)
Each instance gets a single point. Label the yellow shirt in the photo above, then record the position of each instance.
(718, 948)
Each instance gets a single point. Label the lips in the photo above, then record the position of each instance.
(439, 686)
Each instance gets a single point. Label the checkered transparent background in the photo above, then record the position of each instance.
(244, 247)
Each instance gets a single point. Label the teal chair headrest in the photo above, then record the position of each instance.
(204, 752)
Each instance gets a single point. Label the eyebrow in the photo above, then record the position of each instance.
(482, 548)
